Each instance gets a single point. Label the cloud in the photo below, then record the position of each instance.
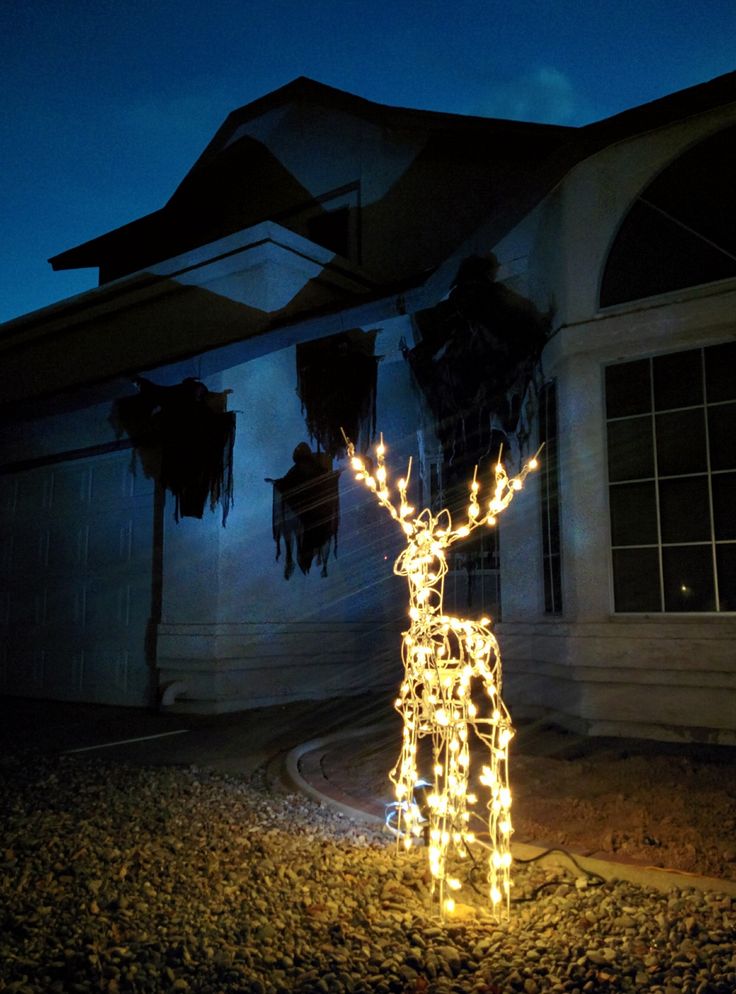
(183, 114)
(544, 95)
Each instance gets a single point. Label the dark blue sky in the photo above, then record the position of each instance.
(106, 103)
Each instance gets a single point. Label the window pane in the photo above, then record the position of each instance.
(726, 558)
(553, 585)
(688, 578)
(681, 443)
(683, 509)
(548, 413)
(630, 449)
(722, 435)
(720, 372)
(633, 514)
(683, 258)
(680, 232)
(627, 389)
(724, 505)
(672, 480)
(678, 380)
(550, 528)
(636, 580)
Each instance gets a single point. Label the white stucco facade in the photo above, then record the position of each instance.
(666, 676)
(106, 597)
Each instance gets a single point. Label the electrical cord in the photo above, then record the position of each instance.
(392, 811)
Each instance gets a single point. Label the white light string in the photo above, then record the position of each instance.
(443, 656)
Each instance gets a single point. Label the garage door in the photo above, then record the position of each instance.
(75, 581)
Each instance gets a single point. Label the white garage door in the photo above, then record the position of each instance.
(75, 581)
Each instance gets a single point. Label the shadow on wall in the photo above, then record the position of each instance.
(184, 437)
(477, 355)
(306, 510)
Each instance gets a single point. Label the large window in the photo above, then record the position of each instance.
(681, 230)
(671, 423)
(473, 581)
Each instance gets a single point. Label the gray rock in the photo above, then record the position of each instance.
(208, 883)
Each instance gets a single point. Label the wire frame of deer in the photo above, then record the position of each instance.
(444, 658)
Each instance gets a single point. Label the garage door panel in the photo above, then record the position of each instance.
(112, 482)
(119, 480)
(108, 606)
(28, 551)
(24, 669)
(143, 486)
(65, 546)
(8, 491)
(70, 489)
(63, 667)
(110, 541)
(76, 579)
(105, 675)
(6, 548)
(25, 605)
(33, 495)
(64, 606)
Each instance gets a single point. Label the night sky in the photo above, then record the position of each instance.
(107, 103)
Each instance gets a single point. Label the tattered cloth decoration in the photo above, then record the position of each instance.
(306, 510)
(184, 436)
(474, 362)
(336, 383)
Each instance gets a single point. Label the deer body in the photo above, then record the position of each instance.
(447, 662)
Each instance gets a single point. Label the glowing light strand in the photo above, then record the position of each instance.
(442, 656)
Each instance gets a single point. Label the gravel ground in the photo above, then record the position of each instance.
(120, 879)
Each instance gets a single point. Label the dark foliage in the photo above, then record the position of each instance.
(474, 361)
(184, 437)
(306, 510)
(336, 383)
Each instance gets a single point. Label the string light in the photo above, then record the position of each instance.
(442, 656)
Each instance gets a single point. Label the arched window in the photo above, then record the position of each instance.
(681, 230)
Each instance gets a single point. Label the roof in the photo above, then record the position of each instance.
(524, 162)
(207, 204)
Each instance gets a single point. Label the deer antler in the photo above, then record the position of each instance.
(505, 489)
(378, 483)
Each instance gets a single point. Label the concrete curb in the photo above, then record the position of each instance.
(296, 779)
(655, 877)
(645, 876)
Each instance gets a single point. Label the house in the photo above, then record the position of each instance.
(452, 281)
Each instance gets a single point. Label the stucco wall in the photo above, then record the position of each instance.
(664, 676)
(234, 632)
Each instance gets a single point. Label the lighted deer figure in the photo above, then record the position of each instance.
(442, 657)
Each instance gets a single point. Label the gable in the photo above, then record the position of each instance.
(394, 190)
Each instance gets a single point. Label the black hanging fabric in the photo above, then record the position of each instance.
(184, 436)
(336, 383)
(474, 362)
(306, 511)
